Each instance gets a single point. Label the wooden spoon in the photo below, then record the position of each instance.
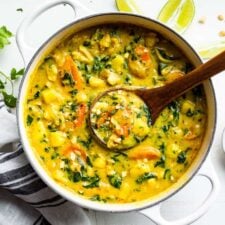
(158, 98)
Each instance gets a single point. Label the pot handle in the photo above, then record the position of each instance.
(207, 171)
(25, 49)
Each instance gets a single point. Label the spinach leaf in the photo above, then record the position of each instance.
(93, 182)
(181, 158)
(161, 162)
(37, 95)
(75, 176)
(115, 180)
(167, 174)
(100, 63)
(29, 120)
(174, 107)
(89, 162)
(145, 177)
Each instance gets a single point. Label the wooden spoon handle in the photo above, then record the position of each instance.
(162, 96)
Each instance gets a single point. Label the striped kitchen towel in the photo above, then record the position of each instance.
(17, 178)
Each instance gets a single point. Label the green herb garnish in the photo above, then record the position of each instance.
(16, 74)
(5, 34)
(9, 99)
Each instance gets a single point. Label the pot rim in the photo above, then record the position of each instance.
(76, 198)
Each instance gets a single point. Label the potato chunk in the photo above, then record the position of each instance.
(57, 138)
(96, 82)
(118, 63)
(50, 95)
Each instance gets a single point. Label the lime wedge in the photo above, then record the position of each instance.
(168, 10)
(211, 51)
(185, 15)
(127, 6)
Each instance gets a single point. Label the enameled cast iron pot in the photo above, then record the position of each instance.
(150, 207)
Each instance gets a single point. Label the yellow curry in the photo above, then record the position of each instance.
(62, 89)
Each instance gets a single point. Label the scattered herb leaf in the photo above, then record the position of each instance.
(9, 100)
(16, 74)
(5, 34)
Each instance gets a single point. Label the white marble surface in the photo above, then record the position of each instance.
(198, 35)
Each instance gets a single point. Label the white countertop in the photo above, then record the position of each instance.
(198, 35)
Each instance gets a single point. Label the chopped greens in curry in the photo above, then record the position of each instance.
(62, 89)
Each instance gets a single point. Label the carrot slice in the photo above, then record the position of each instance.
(80, 115)
(70, 67)
(145, 56)
(76, 76)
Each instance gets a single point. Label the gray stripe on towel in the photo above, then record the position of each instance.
(18, 183)
(7, 156)
(50, 205)
(31, 188)
(46, 201)
(16, 174)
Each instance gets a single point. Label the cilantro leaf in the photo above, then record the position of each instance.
(15, 74)
(4, 35)
(9, 100)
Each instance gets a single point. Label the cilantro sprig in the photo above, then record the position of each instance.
(5, 34)
(9, 98)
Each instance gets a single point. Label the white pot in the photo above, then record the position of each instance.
(151, 208)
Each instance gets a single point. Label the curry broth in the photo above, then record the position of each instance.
(72, 75)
